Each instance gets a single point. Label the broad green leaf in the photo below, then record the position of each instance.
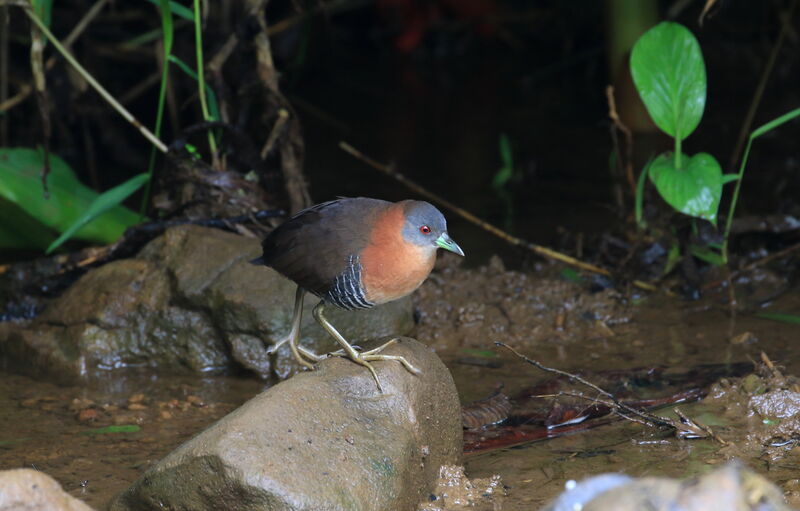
(694, 190)
(105, 201)
(670, 75)
(20, 183)
(24, 231)
(124, 428)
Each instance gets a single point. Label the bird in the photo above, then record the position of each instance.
(355, 253)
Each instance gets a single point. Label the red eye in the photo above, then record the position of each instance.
(425, 229)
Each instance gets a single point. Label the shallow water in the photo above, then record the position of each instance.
(42, 427)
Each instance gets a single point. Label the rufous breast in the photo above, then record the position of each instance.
(391, 266)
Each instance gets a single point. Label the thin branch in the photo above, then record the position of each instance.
(519, 242)
(762, 84)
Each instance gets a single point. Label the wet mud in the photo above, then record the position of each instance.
(97, 439)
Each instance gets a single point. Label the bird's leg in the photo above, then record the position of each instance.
(365, 358)
(294, 334)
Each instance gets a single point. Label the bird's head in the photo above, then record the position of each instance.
(425, 226)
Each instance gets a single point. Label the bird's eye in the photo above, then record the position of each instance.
(425, 229)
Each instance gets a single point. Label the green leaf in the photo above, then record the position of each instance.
(212, 98)
(778, 316)
(480, 353)
(570, 275)
(178, 10)
(673, 258)
(505, 172)
(694, 190)
(670, 75)
(705, 253)
(105, 201)
(20, 183)
(125, 428)
(23, 231)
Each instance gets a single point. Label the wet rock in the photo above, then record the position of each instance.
(190, 301)
(30, 490)
(730, 487)
(325, 439)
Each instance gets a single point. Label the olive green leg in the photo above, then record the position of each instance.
(348, 351)
(294, 335)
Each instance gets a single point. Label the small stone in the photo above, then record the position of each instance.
(136, 398)
(87, 415)
(743, 338)
(29, 403)
(137, 407)
(79, 404)
(195, 400)
(165, 415)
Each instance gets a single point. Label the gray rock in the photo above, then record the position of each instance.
(322, 440)
(30, 490)
(191, 302)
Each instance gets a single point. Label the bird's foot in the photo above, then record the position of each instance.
(374, 354)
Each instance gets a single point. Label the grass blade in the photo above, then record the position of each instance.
(105, 201)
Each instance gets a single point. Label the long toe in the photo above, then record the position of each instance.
(380, 348)
(272, 349)
(409, 367)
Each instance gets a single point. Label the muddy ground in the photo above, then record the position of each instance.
(545, 314)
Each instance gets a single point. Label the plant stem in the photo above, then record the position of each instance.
(94, 83)
(198, 45)
(167, 39)
(677, 151)
(734, 199)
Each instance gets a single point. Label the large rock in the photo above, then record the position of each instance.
(190, 301)
(30, 490)
(322, 440)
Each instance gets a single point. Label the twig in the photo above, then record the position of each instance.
(277, 130)
(94, 83)
(755, 264)
(614, 116)
(519, 242)
(684, 427)
(617, 403)
(26, 89)
(762, 85)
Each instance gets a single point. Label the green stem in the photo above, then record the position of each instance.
(734, 199)
(167, 38)
(639, 200)
(94, 83)
(677, 151)
(198, 45)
